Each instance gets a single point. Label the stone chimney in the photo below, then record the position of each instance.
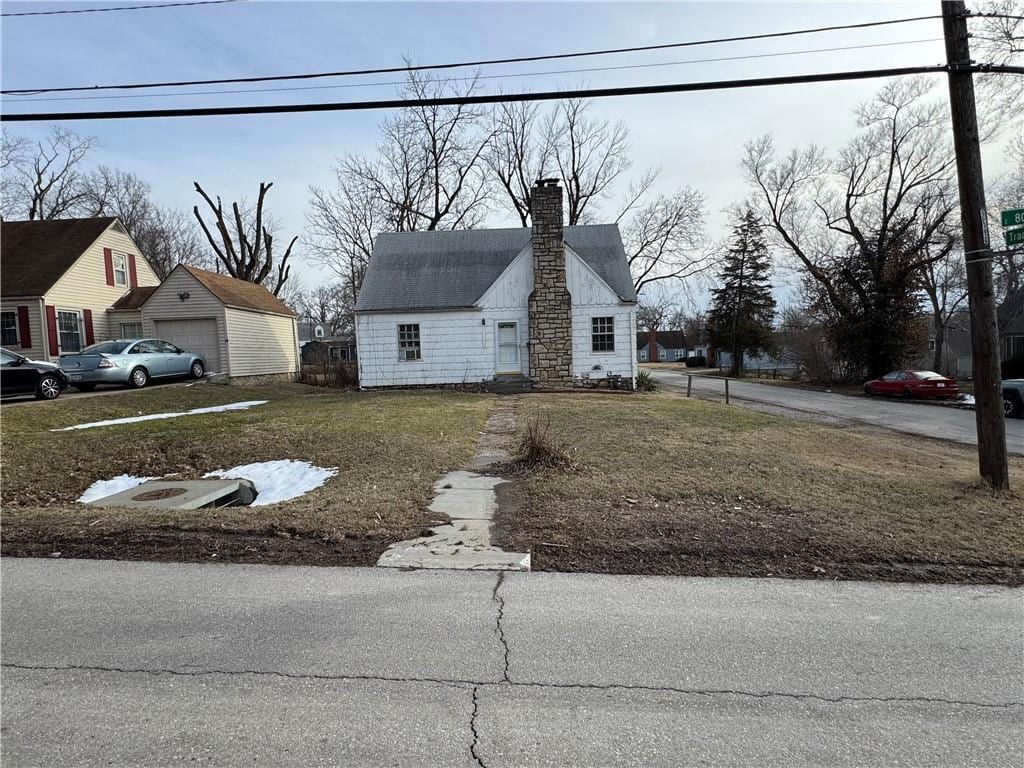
(550, 303)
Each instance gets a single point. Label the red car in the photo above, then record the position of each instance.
(913, 384)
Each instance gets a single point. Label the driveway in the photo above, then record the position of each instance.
(955, 424)
(71, 393)
(122, 663)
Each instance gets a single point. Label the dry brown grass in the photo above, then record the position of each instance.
(695, 481)
(389, 449)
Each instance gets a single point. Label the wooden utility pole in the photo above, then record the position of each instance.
(988, 408)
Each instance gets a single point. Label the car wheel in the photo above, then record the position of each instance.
(869, 391)
(907, 394)
(138, 378)
(48, 388)
(85, 387)
(196, 371)
(1012, 407)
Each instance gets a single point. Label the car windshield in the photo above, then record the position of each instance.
(105, 348)
(928, 375)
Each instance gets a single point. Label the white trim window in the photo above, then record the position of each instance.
(9, 329)
(680, 354)
(131, 330)
(69, 330)
(409, 341)
(602, 334)
(120, 265)
(662, 354)
(643, 355)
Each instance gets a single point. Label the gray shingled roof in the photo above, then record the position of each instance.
(453, 269)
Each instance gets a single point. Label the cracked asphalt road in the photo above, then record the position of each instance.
(916, 418)
(128, 663)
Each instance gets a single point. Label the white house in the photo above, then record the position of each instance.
(546, 304)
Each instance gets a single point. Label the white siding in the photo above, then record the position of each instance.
(84, 285)
(455, 348)
(591, 297)
(37, 333)
(460, 347)
(260, 343)
(165, 304)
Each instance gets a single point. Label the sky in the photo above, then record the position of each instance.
(696, 139)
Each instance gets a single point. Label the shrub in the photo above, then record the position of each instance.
(539, 450)
(696, 362)
(645, 382)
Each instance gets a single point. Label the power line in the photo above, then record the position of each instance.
(482, 77)
(464, 64)
(494, 98)
(120, 8)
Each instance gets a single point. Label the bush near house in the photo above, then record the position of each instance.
(696, 362)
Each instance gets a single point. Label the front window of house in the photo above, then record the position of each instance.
(931, 344)
(662, 354)
(69, 328)
(9, 329)
(643, 354)
(680, 354)
(131, 330)
(409, 341)
(1013, 346)
(602, 334)
(120, 262)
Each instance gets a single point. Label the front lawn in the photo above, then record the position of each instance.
(670, 485)
(389, 449)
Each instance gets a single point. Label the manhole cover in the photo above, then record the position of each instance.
(160, 493)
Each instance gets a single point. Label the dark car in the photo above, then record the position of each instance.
(913, 384)
(21, 376)
(1013, 398)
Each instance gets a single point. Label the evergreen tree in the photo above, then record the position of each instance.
(742, 306)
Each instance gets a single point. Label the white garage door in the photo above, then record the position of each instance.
(194, 335)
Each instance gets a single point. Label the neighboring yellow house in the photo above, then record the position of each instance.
(71, 282)
(60, 280)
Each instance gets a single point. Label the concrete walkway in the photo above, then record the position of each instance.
(469, 499)
(119, 663)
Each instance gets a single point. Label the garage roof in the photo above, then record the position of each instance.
(240, 294)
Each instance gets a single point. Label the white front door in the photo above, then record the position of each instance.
(508, 348)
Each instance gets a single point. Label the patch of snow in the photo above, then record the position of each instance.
(280, 480)
(966, 400)
(154, 416)
(103, 488)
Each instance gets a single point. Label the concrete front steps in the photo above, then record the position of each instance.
(508, 385)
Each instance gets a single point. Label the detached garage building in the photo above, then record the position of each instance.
(242, 329)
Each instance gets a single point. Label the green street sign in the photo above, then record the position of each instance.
(1013, 218)
(1014, 236)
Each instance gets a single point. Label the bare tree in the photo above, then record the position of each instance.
(45, 179)
(245, 247)
(518, 153)
(327, 305)
(998, 38)
(589, 155)
(944, 282)
(653, 314)
(664, 238)
(861, 224)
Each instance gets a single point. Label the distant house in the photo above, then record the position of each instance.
(670, 345)
(956, 359)
(330, 349)
(64, 283)
(549, 304)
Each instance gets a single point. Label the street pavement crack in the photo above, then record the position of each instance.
(472, 727)
(499, 627)
(477, 684)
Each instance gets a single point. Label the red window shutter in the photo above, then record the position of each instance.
(108, 265)
(133, 277)
(90, 337)
(24, 329)
(51, 330)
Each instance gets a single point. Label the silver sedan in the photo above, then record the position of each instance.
(131, 362)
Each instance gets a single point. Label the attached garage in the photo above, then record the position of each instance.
(241, 328)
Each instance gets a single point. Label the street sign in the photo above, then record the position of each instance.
(1014, 236)
(1013, 217)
